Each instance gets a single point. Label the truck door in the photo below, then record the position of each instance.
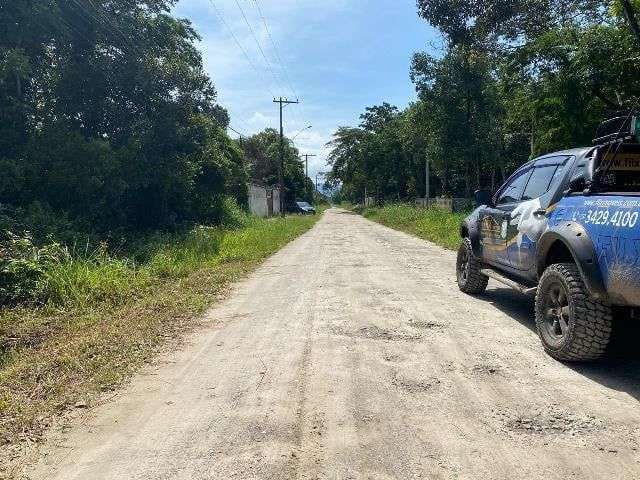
(528, 220)
(494, 220)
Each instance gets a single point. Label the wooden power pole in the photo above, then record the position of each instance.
(282, 102)
(306, 162)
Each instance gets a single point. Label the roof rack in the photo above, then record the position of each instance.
(618, 129)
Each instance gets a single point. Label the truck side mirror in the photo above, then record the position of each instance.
(483, 197)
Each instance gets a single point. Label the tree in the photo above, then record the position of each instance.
(517, 79)
(109, 118)
(263, 155)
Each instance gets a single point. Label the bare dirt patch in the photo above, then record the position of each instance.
(373, 332)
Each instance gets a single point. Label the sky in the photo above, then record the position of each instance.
(336, 56)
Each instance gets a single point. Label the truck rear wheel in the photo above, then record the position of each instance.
(572, 325)
(470, 280)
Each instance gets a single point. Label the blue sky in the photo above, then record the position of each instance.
(340, 56)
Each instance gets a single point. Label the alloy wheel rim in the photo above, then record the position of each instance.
(557, 311)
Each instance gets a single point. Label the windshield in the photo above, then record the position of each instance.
(303, 204)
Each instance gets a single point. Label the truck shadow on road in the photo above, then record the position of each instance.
(619, 370)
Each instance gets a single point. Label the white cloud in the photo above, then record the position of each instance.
(327, 48)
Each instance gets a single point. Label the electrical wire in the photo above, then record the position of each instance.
(236, 131)
(237, 42)
(101, 19)
(298, 119)
(104, 21)
(260, 49)
(276, 50)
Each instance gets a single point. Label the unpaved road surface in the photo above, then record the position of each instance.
(352, 355)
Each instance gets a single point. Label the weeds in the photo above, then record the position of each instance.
(432, 224)
(104, 316)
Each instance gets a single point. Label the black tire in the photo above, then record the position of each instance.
(470, 280)
(572, 326)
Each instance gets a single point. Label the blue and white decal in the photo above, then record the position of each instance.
(613, 225)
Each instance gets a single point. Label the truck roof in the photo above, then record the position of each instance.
(578, 152)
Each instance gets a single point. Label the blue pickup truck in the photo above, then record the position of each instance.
(565, 227)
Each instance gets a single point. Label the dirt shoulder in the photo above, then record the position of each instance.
(351, 354)
(56, 362)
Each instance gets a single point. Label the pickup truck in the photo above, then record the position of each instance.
(565, 227)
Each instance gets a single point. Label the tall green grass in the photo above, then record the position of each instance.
(101, 316)
(432, 224)
(83, 279)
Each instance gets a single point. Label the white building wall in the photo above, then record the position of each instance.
(276, 201)
(258, 201)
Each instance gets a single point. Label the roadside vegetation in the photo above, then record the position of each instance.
(433, 224)
(123, 199)
(513, 80)
(81, 322)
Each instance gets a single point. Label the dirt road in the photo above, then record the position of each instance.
(351, 354)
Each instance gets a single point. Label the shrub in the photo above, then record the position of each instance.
(23, 266)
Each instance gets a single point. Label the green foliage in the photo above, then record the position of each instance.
(263, 154)
(24, 267)
(516, 80)
(58, 276)
(109, 314)
(109, 120)
(431, 224)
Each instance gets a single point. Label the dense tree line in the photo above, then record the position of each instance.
(516, 79)
(108, 120)
(263, 155)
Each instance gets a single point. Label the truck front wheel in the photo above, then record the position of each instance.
(470, 280)
(572, 325)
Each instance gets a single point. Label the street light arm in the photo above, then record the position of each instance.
(296, 135)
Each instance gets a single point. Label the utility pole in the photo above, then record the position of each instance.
(427, 189)
(306, 162)
(282, 102)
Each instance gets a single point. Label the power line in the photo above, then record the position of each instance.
(101, 18)
(276, 50)
(104, 21)
(236, 131)
(235, 39)
(255, 38)
(282, 102)
(281, 63)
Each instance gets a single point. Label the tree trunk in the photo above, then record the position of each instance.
(18, 85)
(467, 180)
(630, 15)
(532, 140)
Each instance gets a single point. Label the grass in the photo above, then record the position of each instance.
(431, 224)
(107, 316)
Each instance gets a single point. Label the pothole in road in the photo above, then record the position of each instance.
(426, 325)
(411, 385)
(551, 422)
(484, 369)
(391, 357)
(376, 333)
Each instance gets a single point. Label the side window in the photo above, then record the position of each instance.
(541, 181)
(557, 176)
(513, 191)
(581, 171)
